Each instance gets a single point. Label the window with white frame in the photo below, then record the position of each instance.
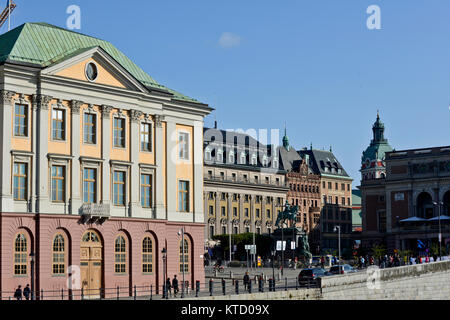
(183, 145)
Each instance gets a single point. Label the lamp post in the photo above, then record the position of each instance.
(164, 257)
(439, 220)
(32, 255)
(338, 229)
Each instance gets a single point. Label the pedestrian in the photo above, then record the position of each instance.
(175, 285)
(246, 280)
(322, 262)
(26, 292)
(18, 293)
(168, 288)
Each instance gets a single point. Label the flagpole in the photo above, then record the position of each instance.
(9, 15)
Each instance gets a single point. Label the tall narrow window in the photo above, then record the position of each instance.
(90, 128)
(147, 255)
(120, 255)
(119, 188)
(58, 184)
(183, 196)
(21, 120)
(89, 185)
(59, 255)
(58, 124)
(119, 132)
(20, 181)
(146, 190)
(146, 137)
(183, 145)
(184, 256)
(20, 255)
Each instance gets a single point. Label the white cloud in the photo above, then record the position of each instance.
(229, 40)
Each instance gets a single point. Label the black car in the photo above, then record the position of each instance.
(309, 277)
(343, 269)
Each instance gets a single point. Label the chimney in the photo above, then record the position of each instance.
(215, 124)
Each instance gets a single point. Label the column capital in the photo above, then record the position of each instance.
(106, 111)
(76, 106)
(43, 101)
(135, 115)
(7, 95)
(158, 120)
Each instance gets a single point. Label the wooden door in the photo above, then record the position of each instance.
(91, 265)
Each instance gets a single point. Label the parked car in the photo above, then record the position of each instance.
(308, 277)
(345, 268)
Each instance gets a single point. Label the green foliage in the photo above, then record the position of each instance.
(434, 249)
(378, 250)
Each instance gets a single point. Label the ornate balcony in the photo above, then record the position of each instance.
(95, 212)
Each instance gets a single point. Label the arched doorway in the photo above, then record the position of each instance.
(425, 208)
(91, 264)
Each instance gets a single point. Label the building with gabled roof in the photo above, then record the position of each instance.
(101, 168)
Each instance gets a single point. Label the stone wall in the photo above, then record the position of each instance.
(304, 294)
(425, 281)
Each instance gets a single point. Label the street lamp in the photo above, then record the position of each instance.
(164, 257)
(273, 250)
(338, 229)
(439, 204)
(32, 255)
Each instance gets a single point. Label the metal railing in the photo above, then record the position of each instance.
(216, 287)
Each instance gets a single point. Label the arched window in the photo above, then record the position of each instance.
(220, 155)
(120, 255)
(147, 255)
(20, 255)
(184, 256)
(208, 154)
(59, 255)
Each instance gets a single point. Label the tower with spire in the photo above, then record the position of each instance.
(286, 139)
(373, 164)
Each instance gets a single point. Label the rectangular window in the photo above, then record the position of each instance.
(268, 213)
(246, 212)
(234, 211)
(211, 210)
(89, 185)
(146, 137)
(20, 181)
(146, 190)
(58, 184)
(119, 188)
(58, 124)
(223, 211)
(343, 201)
(90, 128)
(20, 120)
(183, 196)
(183, 145)
(257, 213)
(119, 132)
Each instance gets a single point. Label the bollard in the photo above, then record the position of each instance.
(42, 294)
(250, 286)
(223, 287)
(237, 286)
(164, 291)
(285, 284)
(118, 293)
(151, 291)
(211, 283)
(260, 285)
(197, 288)
(135, 292)
(62, 294)
(296, 284)
(274, 285)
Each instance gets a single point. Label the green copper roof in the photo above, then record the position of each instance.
(44, 44)
(379, 145)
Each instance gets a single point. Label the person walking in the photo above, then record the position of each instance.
(168, 288)
(322, 262)
(26, 292)
(18, 293)
(175, 285)
(246, 280)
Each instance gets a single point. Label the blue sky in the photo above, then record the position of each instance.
(312, 64)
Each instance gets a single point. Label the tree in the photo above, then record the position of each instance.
(378, 250)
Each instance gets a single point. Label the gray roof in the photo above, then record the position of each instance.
(325, 163)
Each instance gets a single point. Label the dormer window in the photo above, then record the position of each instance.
(219, 157)
(254, 160)
(207, 154)
(265, 161)
(243, 158)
